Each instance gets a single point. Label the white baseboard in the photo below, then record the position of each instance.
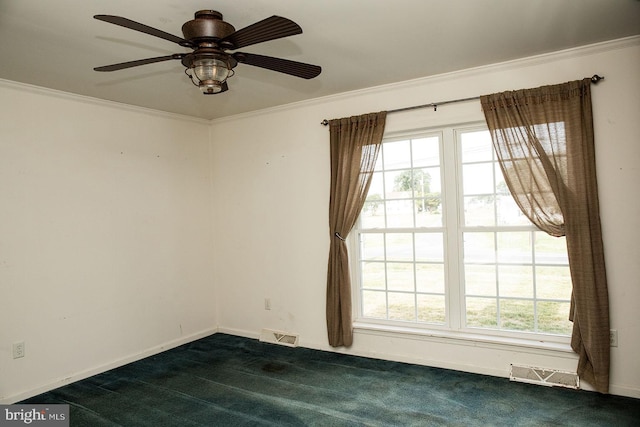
(620, 390)
(239, 333)
(103, 368)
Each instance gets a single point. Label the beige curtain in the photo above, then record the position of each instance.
(355, 144)
(544, 142)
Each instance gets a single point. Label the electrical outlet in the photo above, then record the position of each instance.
(267, 304)
(18, 350)
(613, 337)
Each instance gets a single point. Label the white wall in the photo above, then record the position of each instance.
(105, 236)
(271, 181)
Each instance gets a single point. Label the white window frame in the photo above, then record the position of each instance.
(454, 326)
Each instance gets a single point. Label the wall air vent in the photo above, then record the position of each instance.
(546, 377)
(278, 337)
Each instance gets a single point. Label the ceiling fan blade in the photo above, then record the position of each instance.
(271, 28)
(133, 25)
(129, 64)
(298, 69)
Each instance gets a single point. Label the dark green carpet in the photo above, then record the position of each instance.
(223, 380)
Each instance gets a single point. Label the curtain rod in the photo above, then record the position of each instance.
(594, 79)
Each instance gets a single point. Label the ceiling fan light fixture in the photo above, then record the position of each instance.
(210, 87)
(214, 69)
(209, 71)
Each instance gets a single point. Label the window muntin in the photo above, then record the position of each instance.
(503, 274)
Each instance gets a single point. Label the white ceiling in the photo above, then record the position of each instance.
(358, 43)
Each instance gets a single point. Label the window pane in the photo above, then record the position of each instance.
(431, 309)
(399, 213)
(373, 276)
(509, 213)
(426, 151)
(515, 281)
(432, 216)
(377, 186)
(374, 304)
(517, 315)
(553, 317)
(402, 306)
(501, 184)
(482, 312)
(398, 184)
(372, 246)
(479, 247)
(553, 283)
(429, 247)
(551, 250)
(427, 191)
(476, 146)
(514, 247)
(378, 165)
(400, 277)
(480, 280)
(430, 278)
(396, 155)
(427, 181)
(373, 214)
(479, 211)
(399, 246)
(477, 178)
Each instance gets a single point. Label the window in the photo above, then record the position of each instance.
(440, 243)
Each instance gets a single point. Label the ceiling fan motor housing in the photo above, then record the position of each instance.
(207, 26)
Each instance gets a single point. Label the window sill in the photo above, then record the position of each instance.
(562, 349)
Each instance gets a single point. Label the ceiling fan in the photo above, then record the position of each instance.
(210, 65)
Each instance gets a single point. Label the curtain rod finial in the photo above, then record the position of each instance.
(596, 78)
(324, 122)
